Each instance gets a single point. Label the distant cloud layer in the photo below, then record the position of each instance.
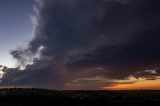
(77, 41)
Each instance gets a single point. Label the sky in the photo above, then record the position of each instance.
(15, 27)
(81, 44)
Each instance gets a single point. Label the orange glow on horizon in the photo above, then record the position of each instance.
(140, 84)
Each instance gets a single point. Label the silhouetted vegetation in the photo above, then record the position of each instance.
(36, 97)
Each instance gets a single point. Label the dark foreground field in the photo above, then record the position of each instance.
(37, 97)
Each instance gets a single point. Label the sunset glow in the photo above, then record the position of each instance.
(140, 84)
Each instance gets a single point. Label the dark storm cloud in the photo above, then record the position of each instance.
(88, 38)
(140, 52)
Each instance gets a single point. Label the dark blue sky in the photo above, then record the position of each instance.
(15, 26)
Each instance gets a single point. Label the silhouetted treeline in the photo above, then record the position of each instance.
(36, 97)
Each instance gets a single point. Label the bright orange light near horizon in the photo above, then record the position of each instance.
(138, 85)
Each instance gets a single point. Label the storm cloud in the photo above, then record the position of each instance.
(75, 39)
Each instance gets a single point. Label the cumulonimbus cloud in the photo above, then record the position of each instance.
(88, 38)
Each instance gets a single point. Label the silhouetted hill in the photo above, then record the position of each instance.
(36, 97)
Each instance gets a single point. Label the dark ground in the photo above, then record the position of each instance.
(37, 97)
